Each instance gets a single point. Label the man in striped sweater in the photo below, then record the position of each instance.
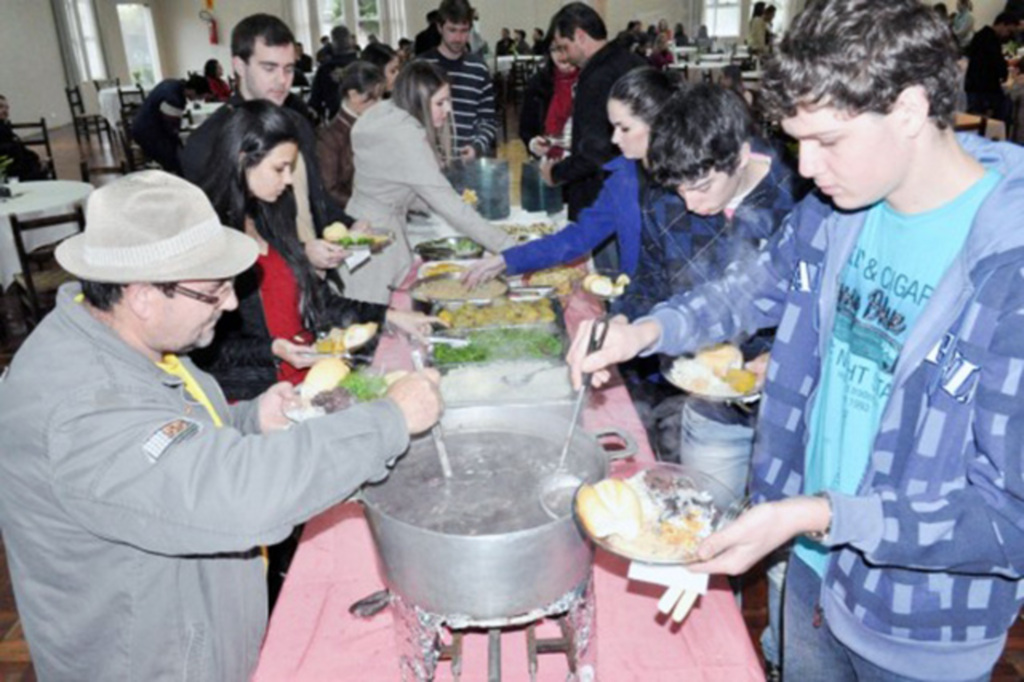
(472, 90)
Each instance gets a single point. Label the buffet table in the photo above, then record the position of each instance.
(312, 636)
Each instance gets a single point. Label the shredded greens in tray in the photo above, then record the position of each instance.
(501, 344)
(364, 387)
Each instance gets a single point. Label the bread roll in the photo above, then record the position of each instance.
(721, 358)
(358, 334)
(610, 507)
(335, 232)
(323, 376)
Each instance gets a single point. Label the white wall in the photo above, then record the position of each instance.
(33, 75)
(183, 37)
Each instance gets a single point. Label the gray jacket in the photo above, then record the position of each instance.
(395, 169)
(132, 523)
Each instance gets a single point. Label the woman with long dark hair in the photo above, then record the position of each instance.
(401, 146)
(633, 104)
(283, 300)
(384, 57)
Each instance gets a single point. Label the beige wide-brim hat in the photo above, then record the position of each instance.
(152, 226)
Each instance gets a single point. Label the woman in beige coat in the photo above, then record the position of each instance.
(400, 146)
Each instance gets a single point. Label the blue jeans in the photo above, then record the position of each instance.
(721, 450)
(810, 650)
(771, 637)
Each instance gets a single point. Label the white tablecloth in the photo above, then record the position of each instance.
(694, 69)
(201, 111)
(110, 106)
(504, 64)
(35, 200)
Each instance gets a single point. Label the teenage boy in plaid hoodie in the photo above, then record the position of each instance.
(891, 436)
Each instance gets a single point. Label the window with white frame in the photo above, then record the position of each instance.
(369, 21)
(380, 18)
(722, 17)
(83, 32)
(140, 47)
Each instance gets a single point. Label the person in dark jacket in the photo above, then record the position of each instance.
(303, 62)
(263, 57)
(503, 47)
(324, 97)
(157, 125)
(430, 37)
(540, 42)
(24, 163)
(580, 33)
(987, 69)
(680, 38)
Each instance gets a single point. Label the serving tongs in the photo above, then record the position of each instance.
(556, 488)
(435, 431)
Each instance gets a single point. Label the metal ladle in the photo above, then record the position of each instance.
(435, 430)
(557, 489)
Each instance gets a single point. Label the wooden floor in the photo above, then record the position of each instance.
(15, 665)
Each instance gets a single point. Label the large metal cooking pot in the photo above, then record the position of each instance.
(479, 545)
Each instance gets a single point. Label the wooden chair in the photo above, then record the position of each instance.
(91, 170)
(134, 156)
(980, 126)
(131, 97)
(40, 275)
(39, 136)
(84, 122)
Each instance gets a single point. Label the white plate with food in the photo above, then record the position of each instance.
(659, 515)
(372, 241)
(715, 374)
(331, 386)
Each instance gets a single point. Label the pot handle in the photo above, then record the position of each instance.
(630, 445)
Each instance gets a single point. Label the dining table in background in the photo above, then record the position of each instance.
(994, 128)
(36, 199)
(110, 106)
(505, 62)
(312, 636)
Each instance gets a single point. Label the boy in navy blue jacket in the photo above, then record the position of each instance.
(889, 441)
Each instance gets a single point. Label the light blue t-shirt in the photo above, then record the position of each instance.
(890, 277)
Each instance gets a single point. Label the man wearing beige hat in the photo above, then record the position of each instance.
(133, 498)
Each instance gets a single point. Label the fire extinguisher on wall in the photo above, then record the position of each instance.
(211, 23)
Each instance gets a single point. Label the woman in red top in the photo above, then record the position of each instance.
(220, 91)
(283, 300)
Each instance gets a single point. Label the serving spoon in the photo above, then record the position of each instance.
(556, 489)
(435, 430)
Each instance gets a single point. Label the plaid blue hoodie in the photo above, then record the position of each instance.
(925, 573)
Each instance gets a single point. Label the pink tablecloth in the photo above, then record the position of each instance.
(313, 637)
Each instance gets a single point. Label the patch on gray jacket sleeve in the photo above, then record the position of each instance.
(167, 435)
